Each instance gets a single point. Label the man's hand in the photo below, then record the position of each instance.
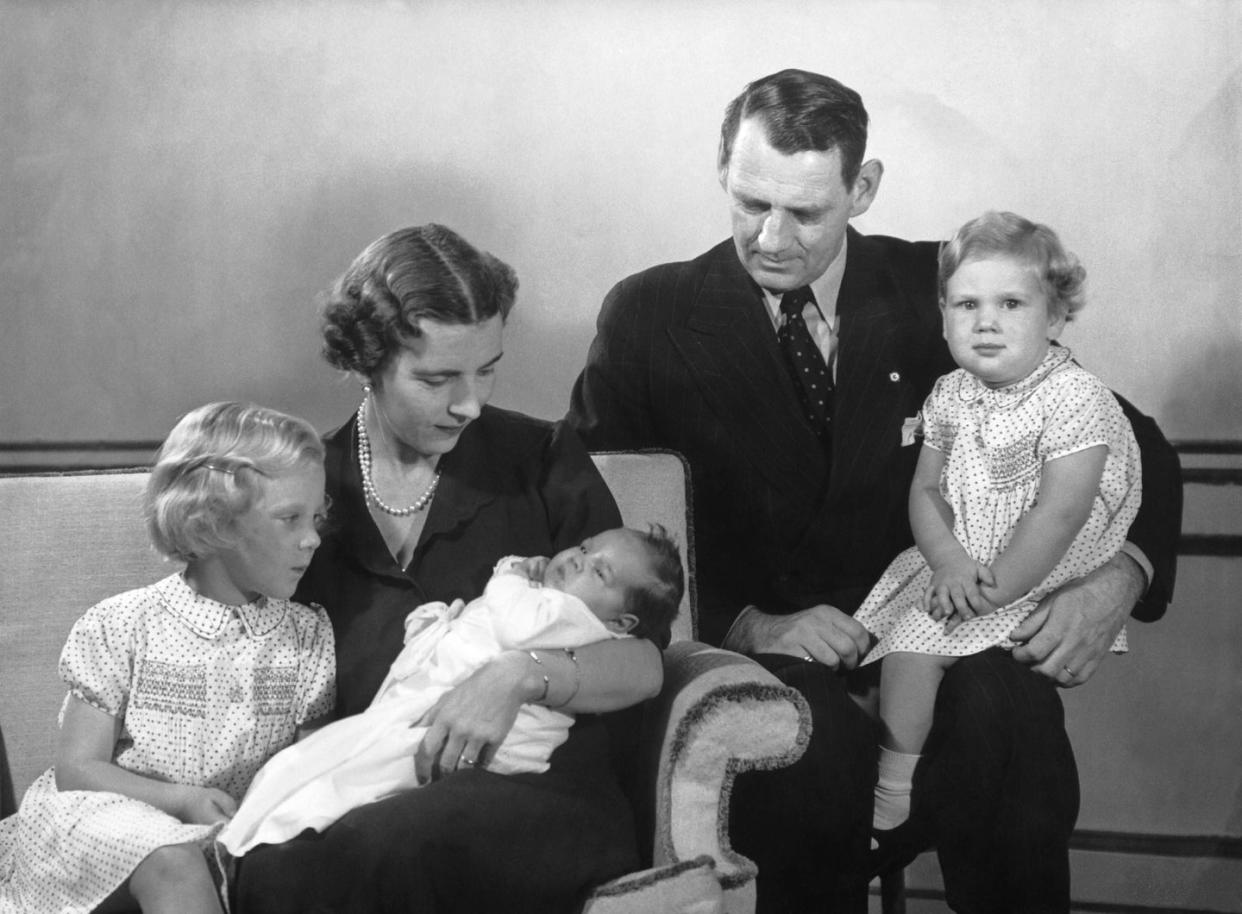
(1072, 628)
(467, 724)
(822, 633)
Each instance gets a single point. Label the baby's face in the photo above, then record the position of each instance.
(601, 572)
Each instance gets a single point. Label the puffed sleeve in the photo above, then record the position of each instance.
(316, 667)
(574, 494)
(97, 660)
(1081, 413)
(938, 432)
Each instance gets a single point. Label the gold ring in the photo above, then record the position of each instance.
(467, 761)
(808, 658)
(1071, 672)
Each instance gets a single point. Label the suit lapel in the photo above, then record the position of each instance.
(867, 402)
(728, 344)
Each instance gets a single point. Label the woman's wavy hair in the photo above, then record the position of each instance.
(1010, 235)
(210, 471)
(425, 272)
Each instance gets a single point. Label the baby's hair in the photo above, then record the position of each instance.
(1001, 233)
(208, 473)
(656, 607)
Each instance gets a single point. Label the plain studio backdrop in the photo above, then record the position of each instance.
(180, 180)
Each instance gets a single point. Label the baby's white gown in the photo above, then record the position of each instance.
(368, 756)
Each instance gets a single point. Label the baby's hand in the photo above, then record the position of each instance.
(206, 806)
(954, 593)
(533, 567)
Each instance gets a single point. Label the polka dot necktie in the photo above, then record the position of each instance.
(805, 362)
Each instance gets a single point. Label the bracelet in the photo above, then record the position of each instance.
(569, 652)
(546, 681)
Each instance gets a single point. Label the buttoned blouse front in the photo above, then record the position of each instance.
(205, 692)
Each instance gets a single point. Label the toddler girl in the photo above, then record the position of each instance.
(615, 583)
(179, 691)
(1028, 478)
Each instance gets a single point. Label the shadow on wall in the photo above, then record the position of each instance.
(1204, 321)
(938, 192)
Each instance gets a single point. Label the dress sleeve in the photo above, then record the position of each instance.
(317, 669)
(574, 494)
(937, 432)
(97, 660)
(1081, 413)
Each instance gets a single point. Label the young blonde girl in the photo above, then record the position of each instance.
(179, 691)
(1028, 478)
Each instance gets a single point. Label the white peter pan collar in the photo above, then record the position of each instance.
(209, 618)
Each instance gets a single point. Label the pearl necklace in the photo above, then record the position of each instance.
(368, 483)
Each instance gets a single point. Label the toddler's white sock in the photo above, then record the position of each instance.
(892, 789)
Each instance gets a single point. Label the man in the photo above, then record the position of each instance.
(801, 470)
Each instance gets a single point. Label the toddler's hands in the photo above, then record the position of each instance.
(206, 806)
(954, 594)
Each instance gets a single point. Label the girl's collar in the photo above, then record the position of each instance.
(209, 618)
(972, 389)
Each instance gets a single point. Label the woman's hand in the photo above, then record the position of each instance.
(205, 806)
(954, 593)
(467, 724)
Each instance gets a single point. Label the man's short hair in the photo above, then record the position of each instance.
(801, 111)
(656, 606)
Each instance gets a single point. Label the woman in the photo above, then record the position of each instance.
(430, 486)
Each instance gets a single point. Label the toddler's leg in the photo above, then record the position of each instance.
(908, 684)
(175, 878)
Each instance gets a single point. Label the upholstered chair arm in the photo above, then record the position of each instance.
(718, 714)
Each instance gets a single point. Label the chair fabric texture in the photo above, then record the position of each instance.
(69, 540)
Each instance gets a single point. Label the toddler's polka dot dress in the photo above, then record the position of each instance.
(205, 694)
(996, 441)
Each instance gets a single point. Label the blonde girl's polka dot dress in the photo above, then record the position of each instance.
(205, 693)
(996, 441)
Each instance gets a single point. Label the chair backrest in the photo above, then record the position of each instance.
(652, 487)
(66, 542)
(69, 541)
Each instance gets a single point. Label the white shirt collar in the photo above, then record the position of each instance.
(209, 619)
(827, 286)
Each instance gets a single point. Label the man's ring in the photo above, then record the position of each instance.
(468, 761)
(1072, 674)
(808, 658)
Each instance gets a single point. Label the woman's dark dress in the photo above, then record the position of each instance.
(472, 841)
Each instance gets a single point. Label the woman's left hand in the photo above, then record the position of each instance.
(467, 724)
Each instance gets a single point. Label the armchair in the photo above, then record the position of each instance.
(70, 540)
